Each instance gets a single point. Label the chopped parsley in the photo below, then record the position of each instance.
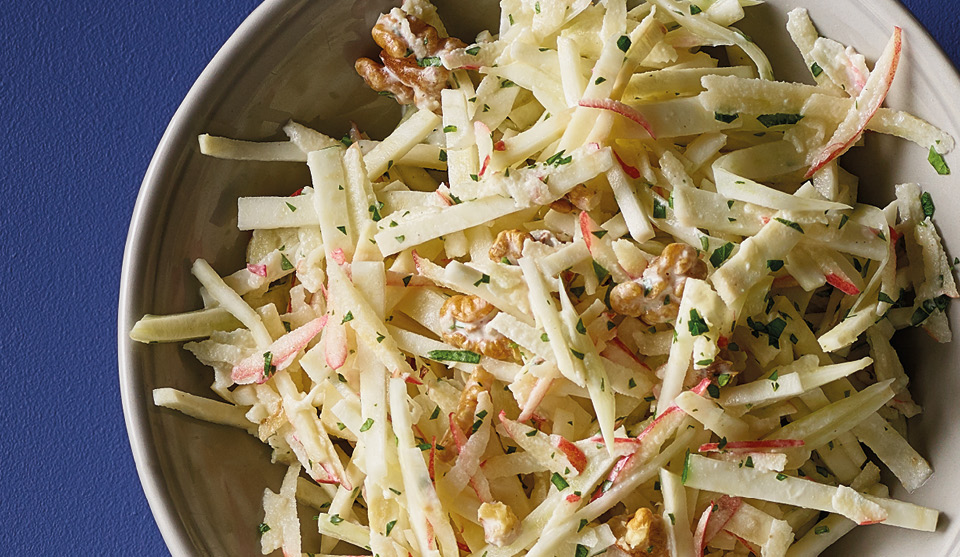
(816, 70)
(463, 356)
(926, 203)
(347, 317)
(429, 61)
(559, 482)
(285, 263)
(659, 210)
(721, 254)
(696, 324)
(779, 119)
(939, 164)
(366, 425)
(623, 43)
(725, 118)
(790, 224)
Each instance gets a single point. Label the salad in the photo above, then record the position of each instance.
(604, 288)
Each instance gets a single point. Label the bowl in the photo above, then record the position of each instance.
(294, 59)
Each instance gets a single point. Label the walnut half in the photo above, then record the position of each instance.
(465, 320)
(645, 535)
(411, 70)
(655, 296)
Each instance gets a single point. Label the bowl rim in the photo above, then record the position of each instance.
(178, 133)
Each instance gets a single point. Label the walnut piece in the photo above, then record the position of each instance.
(411, 70)
(466, 319)
(580, 197)
(509, 244)
(645, 535)
(655, 296)
(500, 525)
(480, 380)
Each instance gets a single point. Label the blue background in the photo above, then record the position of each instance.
(87, 89)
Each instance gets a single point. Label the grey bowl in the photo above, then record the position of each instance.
(294, 59)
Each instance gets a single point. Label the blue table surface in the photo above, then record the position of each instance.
(87, 89)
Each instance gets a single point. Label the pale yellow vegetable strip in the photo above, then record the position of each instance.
(709, 29)
(330, 202)
(734, 480)
(458, 217)
(204, 408)
(418, 489)
(231, 301)
(367, 325)
(819, 427)
(308, 139)
(749, 265)
(421, 155)
(399, 142)
(183, 326)
(260, 213)
(712, 416)
(235, 149)
(893, 450)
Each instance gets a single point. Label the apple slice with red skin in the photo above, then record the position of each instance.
(868, 102)
(620, 108)
(282, 351)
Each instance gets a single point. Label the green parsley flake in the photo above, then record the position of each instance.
(725, 118)
(623, 43)
(559, 482)
(779, 119)
(449, 129)
(578, 355)
(285, 263)
(342, 229)
(292, 207)
(816, 70)
(484, 279)
(686, 468)
(659, 210)
(926, 203)
(820, 530)
(429, 61)
(939, 164)
(390, 526)
(268, 367)
(366, 425)
(723, 379)
(601, 273)
(581, 551)
(436, 413)
(462, 356)
(721, 254)
(347, 317)
(695, 9)
(263, 528)
(335, 519)
(473, 50)
(774, 264)
(558, 159)
(580, 327)
(790, 224)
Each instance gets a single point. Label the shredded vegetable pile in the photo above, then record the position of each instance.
(604, 288)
